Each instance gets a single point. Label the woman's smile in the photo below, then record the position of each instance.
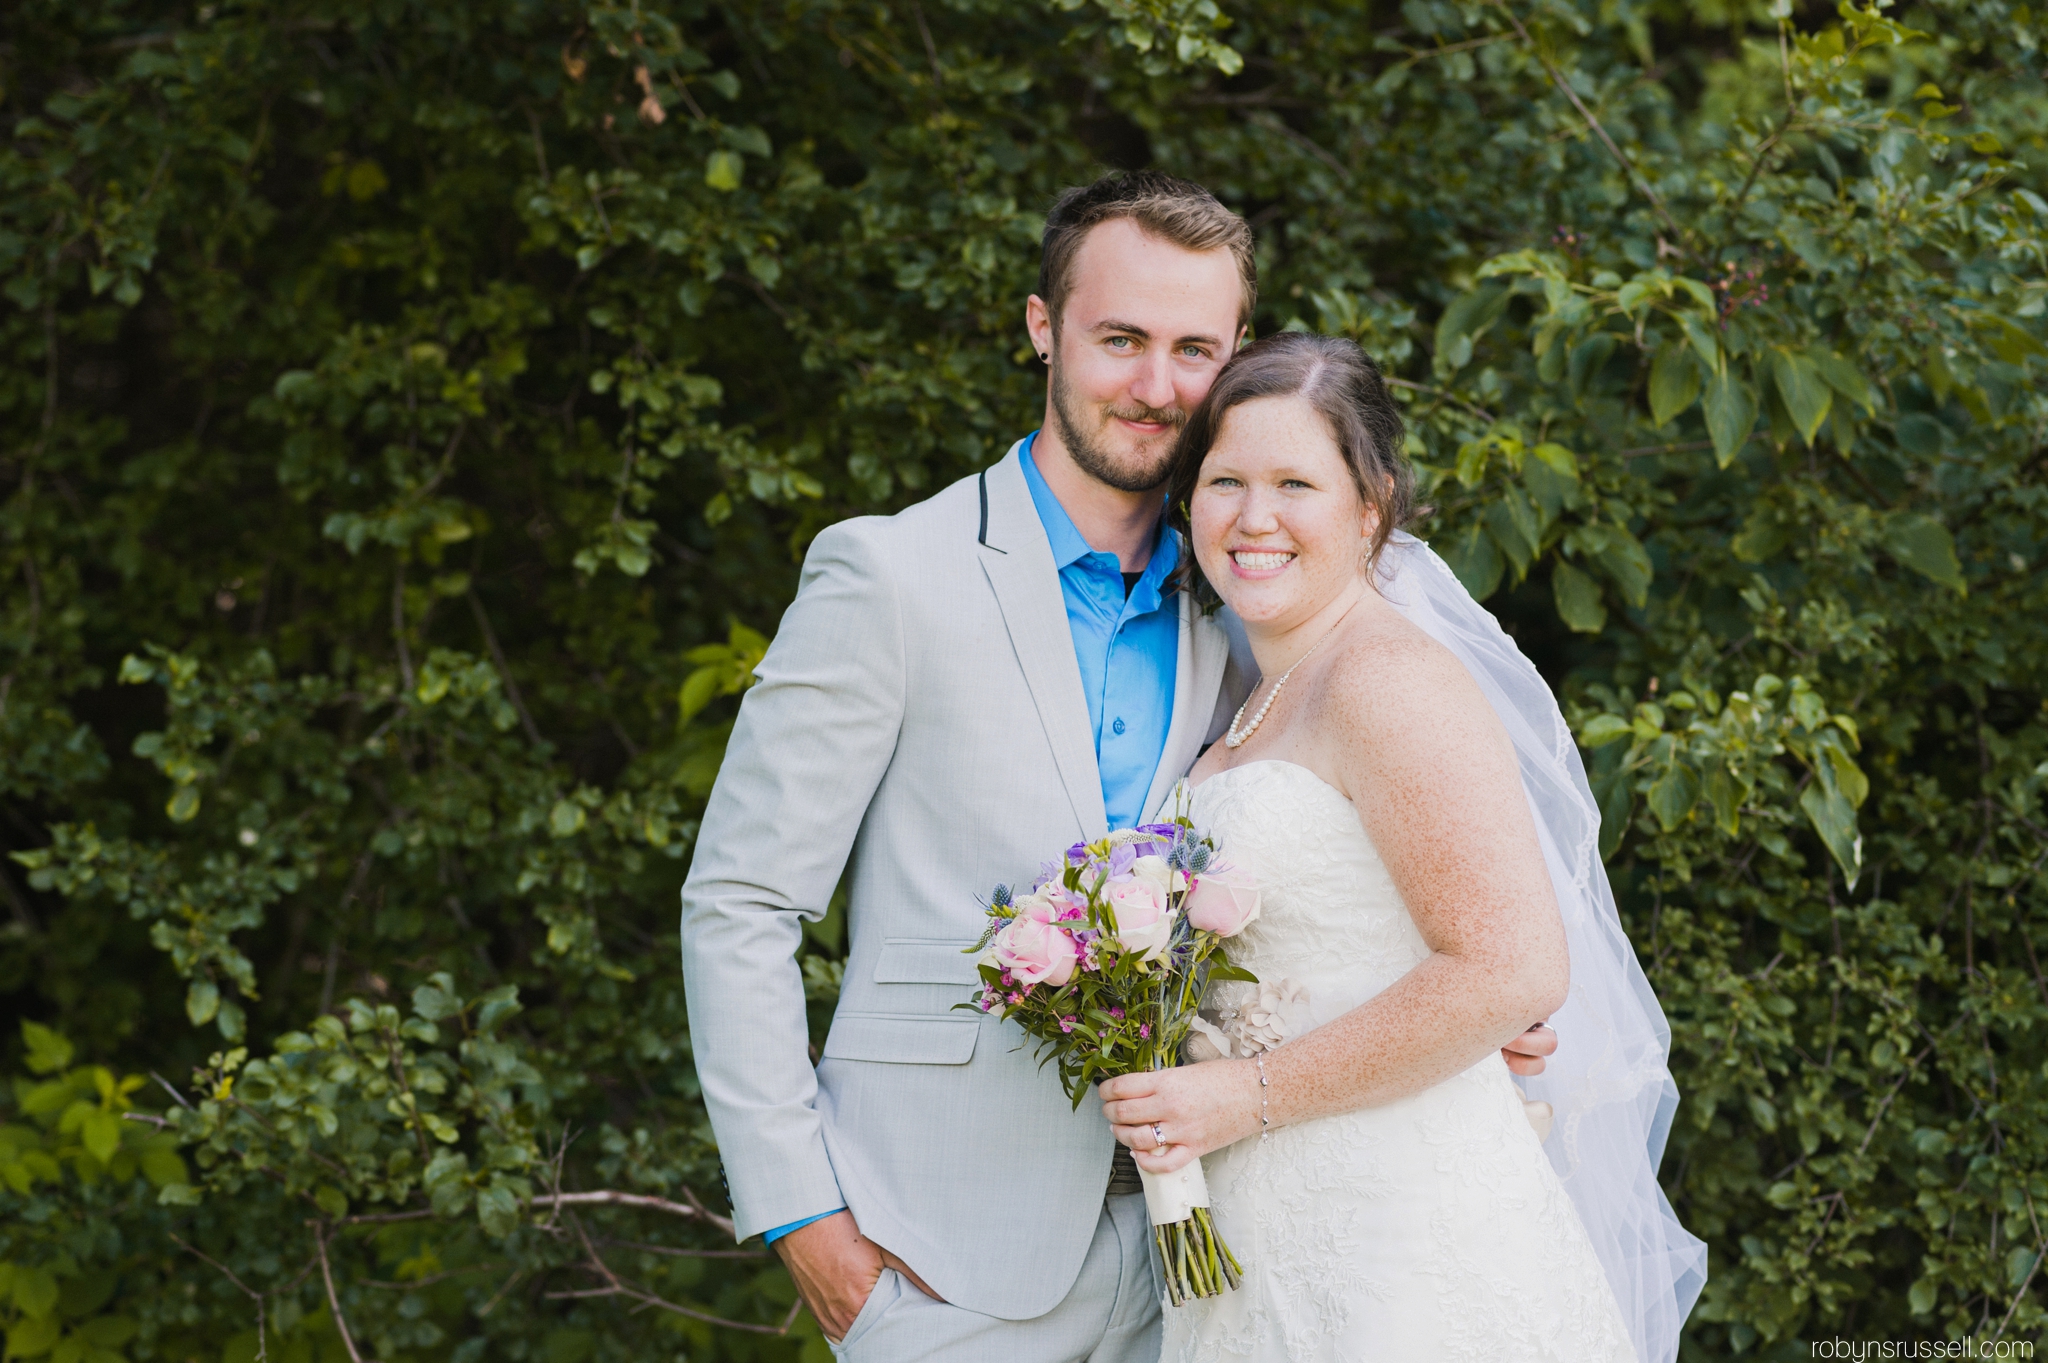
(1258, 564)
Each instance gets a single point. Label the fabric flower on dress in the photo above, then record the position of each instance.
(1277, 1011)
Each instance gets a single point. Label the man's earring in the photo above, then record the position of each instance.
(1044, 358)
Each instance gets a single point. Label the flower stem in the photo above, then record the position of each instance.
(1194, 1259)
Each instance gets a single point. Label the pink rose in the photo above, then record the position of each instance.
(1222, 905)
(1036, 952)
(1142, 922)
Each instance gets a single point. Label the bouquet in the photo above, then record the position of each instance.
(1103, 964)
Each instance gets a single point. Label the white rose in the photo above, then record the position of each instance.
(1154, 870)
(1039, 906)
(1206, 1041)
(1143, 922)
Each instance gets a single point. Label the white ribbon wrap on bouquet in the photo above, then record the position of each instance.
(1174, 1197)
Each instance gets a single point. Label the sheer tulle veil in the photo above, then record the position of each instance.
(1609, 1082)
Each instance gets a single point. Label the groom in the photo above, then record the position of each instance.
(957, 692)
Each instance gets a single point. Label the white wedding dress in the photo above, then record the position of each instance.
(1421, 1231)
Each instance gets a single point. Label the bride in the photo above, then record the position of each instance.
(1408, 798)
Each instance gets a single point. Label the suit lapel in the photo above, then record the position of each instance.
(1018, 560)
(1204, 653)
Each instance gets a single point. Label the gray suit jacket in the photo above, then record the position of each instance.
(920, 712)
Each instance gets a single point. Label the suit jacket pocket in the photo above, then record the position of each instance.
(926, 960)
(903, 1038)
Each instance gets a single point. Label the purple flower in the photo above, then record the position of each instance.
(1145, 1031)
(1067, 1024)
(1117, 1013)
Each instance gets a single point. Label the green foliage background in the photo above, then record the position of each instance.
(413, 415)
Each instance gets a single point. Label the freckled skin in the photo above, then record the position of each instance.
(1390, 718)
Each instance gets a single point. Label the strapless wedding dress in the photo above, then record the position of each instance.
(1419, 1231)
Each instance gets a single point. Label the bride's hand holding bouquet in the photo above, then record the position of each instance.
(1171, 1118)
(1103, 963)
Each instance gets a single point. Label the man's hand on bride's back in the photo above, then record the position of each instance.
(1525, 1053)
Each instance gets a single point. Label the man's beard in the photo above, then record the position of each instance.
(1096, 461)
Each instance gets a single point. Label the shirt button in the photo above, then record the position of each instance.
(1118, 726)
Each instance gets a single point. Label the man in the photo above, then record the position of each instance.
(958, 691)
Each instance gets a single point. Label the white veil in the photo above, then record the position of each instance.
(1613, 1094)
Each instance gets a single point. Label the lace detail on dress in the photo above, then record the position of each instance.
(1429, 1228)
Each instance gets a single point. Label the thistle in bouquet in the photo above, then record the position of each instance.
(1103, 964)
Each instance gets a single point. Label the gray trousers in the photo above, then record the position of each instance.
(1110, 1316)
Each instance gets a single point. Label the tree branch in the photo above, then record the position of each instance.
(23, 914)
(1274, 123)
(176, 1096)
(412, 1102)
(1443, 393)
(333, 1302)
(675, 1252)
(483, 624)
(619, 1287)
(2040, 1251)
(609, 1198)
(398, 627)
(262, 1333)
(1898, 1084)
(499, 1295)
(1627, 166)
(381, 1218)
(430, 1278)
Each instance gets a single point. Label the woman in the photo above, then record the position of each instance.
(1404, 791)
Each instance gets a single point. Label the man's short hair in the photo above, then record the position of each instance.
(1166, 206)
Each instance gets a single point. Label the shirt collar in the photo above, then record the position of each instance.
(1068, 546)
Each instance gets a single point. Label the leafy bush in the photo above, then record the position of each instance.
(414, 415)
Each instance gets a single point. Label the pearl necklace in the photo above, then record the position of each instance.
(1231, 737)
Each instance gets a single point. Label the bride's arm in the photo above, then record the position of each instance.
(1434, 780)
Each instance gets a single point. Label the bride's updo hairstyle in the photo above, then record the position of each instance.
(1342, 383)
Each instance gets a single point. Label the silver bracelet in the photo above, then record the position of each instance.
(1265, 1126)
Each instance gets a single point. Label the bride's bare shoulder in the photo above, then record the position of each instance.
(1392, 684)
(1388, 656)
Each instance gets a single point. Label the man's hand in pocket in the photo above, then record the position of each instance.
(835, 1267)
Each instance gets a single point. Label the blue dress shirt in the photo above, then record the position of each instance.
(1128, 648)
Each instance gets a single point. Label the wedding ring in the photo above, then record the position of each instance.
(1157, 1139)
